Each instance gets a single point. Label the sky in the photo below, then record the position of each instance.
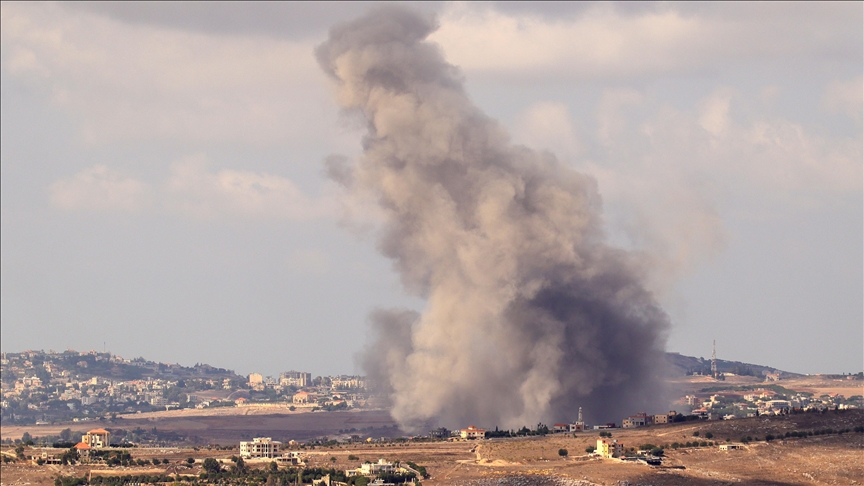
(163, 191)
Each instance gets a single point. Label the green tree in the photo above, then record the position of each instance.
(211, 465)
(66, 435)
(562, 452)
(190, 460)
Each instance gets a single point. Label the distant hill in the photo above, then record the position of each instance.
(684, 365)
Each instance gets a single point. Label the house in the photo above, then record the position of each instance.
(291, 458)
(372, 469)
(260, 447)
(731, 447)
(96, 438)
(301, 398)
(641, 419)
(472, 432)
(560, 428)
(577, 426)
(82, 449)
(609, 449)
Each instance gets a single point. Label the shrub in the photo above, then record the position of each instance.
(352, 457)
(769, 437)
(696, 434)
(590, 449)
(190, 460)
(709, 435)
(657, 451)
(562, 452)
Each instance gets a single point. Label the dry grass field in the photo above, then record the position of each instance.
(823, 459)
(231, 425)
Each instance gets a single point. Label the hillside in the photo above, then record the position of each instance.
(683, 365)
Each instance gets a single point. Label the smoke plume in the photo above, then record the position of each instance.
(530, 314)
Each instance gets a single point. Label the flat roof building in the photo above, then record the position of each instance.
(260, 447)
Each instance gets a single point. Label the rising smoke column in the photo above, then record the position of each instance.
(530, 314)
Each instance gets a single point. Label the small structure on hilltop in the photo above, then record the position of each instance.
(472, 432)
(731, 447)
(260, 447)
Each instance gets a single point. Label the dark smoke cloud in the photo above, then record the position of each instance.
(530, 314)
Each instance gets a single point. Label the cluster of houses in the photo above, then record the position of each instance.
(41, 387)
(730, 404)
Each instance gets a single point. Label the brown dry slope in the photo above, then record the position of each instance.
(230, 429)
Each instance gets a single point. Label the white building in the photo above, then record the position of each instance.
(472, 432)
(260, 447)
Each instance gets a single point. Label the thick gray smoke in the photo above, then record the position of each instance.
(530, 314)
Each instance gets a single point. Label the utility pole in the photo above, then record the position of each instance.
(714, 360)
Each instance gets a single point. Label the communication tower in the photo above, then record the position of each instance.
(714, 360)
(580, 415)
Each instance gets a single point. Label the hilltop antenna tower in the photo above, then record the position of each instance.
(714, 360)
(580, 415)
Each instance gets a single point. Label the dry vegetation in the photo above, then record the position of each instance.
(822, 459)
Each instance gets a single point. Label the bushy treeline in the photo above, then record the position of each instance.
(541, 429)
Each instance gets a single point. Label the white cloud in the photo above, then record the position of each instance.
(671, 180)
(548, 126)
(610, 121)
(846, 96)
(193, 190)
(139, 82)
(604, 40)
(714, 115)
(99, 188)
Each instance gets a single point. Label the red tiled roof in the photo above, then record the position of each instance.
(81, 446)
(98, 431)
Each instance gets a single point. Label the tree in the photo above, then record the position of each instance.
(562, 452)
(240, 467)
(26, 437)
(190, 460)
(211, 465)
(708, 435)
(590, 449)
(66, 435)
